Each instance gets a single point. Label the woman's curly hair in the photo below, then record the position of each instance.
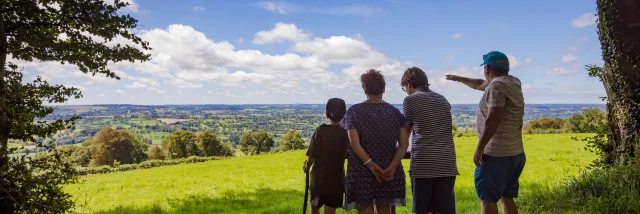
(373, 82)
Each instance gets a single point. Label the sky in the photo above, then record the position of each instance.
(292, 52)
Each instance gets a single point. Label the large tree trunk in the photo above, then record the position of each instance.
(5, 125)
(619, 32)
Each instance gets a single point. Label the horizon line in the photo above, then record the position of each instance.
(304, 104)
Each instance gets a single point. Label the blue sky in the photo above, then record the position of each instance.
(246, 52)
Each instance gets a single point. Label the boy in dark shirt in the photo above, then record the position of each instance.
(327, 153)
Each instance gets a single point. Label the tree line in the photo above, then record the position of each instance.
(113, 147)
(590, 121)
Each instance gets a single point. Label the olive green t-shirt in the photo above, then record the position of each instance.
(328, 147)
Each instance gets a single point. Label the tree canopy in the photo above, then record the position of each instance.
(180, 144)
(210, 145)
(255, 143)
(292, 141)
(88, 34)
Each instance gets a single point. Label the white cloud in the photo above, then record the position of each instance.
(457, 35)
(584, 20)
(147, 81)
(527, 61)
(349, 10)
(101, 95)
(136, 85)
(157, 90)
(572, 49)
(183, 84)
(513, 62)
(256, 93)
(569, 58)
(560, 71)
(276, 7)
(240, 40)
(281, 32)
(182, 57)
(341, 50)
(583, 39)
(448, 57)
(527, 88)
(199, 9)
(223, 93)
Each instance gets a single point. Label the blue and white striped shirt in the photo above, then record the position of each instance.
(433, 152)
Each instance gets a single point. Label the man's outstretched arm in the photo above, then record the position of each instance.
(478, 84)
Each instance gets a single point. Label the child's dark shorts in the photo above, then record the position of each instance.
(329, 200)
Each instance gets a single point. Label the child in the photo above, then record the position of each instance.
(327, 153)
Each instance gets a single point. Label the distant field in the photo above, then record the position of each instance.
(275, 183)
(170, 121)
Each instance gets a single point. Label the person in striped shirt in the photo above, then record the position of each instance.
(433, 156)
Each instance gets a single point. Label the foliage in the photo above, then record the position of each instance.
(590, 121)
(216, 184)
(210, 145)
(81, 155)
(608, 190)
(575, 124)
(254, 143)
(140, 148)
(181, 144)
(65, 31)
(56, 30)
(156, 153)
(292, 141)
(110, 145)
(35, 185)
(143, 165)
(544, 125)
(465, 132)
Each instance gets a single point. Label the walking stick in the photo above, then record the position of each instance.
(306, 191)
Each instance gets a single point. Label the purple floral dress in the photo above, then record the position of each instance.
(378, 127)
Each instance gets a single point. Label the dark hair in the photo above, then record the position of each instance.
(336, 109)
(499, 69)
(414, 76)
(373, 82)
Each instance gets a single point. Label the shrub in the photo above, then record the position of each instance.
(156, 153)
(292, 141)
(602, 190)
(143, 165)
(110, 145)
(210, 145)
(35, 185)
(255, 143)
(180, 144)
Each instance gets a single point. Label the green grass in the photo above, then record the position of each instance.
(275, 183)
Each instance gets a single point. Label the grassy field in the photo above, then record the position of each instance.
(275, 183)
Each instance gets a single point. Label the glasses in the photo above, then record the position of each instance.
(404, 88)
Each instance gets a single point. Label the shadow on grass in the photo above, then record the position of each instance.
(260, 201)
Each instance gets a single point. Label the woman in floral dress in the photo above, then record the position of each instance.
(375, 176)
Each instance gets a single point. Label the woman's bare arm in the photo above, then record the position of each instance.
(354, 140)
(402, 150)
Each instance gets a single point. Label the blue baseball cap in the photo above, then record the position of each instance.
(496, 58)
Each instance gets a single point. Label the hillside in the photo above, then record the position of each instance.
(275, 183)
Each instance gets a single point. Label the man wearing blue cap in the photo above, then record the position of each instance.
(499, 157)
